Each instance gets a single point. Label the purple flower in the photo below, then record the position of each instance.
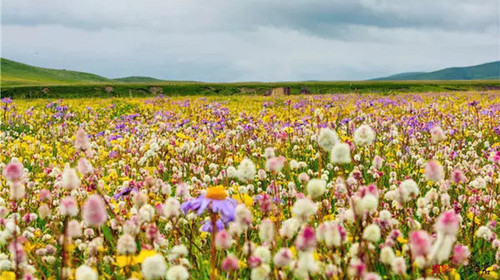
(125, 192)
(207, 226)
(6, 100)
(216, 201)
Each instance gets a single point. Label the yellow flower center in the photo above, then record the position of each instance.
(217, 193)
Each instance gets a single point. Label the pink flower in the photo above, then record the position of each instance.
(434, 171)
(399, 266)
(45, 195)
(283, 258)
(222, 240)
(254, 261)
(13, 171)
(266, 203)
(68, 207)
(81, 140)
(84, 166)
(151, 231)
(420, 243)
(306, 240)
(447, 223)
(358, 268)
(17, 252)
(275, 164)
(377, 162)
(460, 255)
(457, 176)
(74, 229)
(496, 158)
(371, 276)
(94, 211)
(230, 263)
(303, 177)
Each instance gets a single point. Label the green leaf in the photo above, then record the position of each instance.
(108, 235)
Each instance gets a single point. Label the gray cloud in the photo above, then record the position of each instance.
(225, 40)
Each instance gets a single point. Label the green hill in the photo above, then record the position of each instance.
(15, 73)
(137, 79)
(486, 71)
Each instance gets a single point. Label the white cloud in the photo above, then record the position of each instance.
(250, 40)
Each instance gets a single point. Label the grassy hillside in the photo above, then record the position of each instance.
(138, 79)
(15, 73)
(486, 71)
(218, 89)
(24, 81)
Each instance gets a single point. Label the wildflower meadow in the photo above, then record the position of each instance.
(344, 186)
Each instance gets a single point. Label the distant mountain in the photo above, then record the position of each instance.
(138, 79)
(486, 71)
(16, 73)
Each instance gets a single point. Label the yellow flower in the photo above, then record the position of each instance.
(402, 240)
(470, 215)
(143, 255)
(242, 264)
(453, 275)
(136, 275)
(70, 248)
(490, 274)
(244, 198)
(330, 217)
(7, 275)
(124, 260)
(217, 193)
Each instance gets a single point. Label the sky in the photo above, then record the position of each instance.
(251, 40)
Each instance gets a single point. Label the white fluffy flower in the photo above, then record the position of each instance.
(387, 255)
(178, 251)
(85, 272)
(410, 187)
(266, 230)
(327, 139)
(316, 188)
(246, 170)
(372, 233)
(478, 183)
(364, 135)
(385, 215)
(306, 265)
(484, 232)
(177, 272)
(437, 134)
(231, 172)
(368, 203)
(154, 267)
(294, 165)
(289, 228)
(263, 253)
(171, 208)
(261, 272)
(304, 208)
(69, 179)
(341, 153)
(126, 245)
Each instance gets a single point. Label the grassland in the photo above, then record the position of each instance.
(22, 81)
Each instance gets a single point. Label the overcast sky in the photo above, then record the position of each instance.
(251, 40)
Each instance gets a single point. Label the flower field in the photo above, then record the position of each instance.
(251, 187)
